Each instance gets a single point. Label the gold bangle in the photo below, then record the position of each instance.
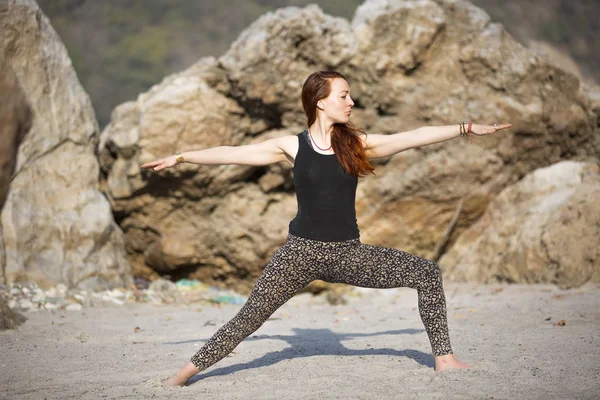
(179, 159)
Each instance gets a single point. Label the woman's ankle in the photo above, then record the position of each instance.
(188, 371)
(445, 357)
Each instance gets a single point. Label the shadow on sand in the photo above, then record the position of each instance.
(316, 342)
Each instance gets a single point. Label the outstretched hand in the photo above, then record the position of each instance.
(163, 163)
(481, 130)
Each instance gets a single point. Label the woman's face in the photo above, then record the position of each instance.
(338, 105)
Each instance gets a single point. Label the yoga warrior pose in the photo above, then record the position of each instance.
(323, 240)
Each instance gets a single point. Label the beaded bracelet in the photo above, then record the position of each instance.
(465, 131)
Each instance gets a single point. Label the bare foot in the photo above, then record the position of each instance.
(182, 376)
(174, 380)
(448, 361)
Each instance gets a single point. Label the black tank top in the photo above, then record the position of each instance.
(326, 196)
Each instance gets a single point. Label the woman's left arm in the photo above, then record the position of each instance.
(387, 145)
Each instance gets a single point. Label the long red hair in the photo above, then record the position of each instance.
(345, 139)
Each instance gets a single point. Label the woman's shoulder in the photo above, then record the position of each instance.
(289, 144)
(288, 139)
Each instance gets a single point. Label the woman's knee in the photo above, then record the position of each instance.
(432, 274)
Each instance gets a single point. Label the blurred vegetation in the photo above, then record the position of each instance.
(571, 26)
(121, 48)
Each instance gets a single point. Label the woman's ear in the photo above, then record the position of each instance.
(320, 105)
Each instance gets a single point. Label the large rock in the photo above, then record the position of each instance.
(15, 122)
(203, 220)
(268, 63)
(57, 226)
(543, 229)
(438, 62)
(409, 64)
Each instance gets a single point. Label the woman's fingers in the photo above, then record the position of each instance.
(488, 129)
(157, 165)
(151, 164)
(500, 127)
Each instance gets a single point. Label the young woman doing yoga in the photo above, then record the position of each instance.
(323, 240)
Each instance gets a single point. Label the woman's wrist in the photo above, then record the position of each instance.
(179, 158)
(465, 129)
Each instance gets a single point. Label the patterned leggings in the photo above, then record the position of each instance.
(302, 260)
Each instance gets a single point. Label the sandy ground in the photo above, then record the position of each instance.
(373, 347)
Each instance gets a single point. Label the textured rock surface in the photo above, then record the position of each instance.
(57, 226)
(15, 122)
(409, 64)
(545, 228)
(191, 216)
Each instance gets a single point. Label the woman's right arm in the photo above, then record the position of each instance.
(264, 153)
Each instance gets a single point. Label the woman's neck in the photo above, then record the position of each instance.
(321, 132)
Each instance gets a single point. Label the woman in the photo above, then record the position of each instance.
(323, 240)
